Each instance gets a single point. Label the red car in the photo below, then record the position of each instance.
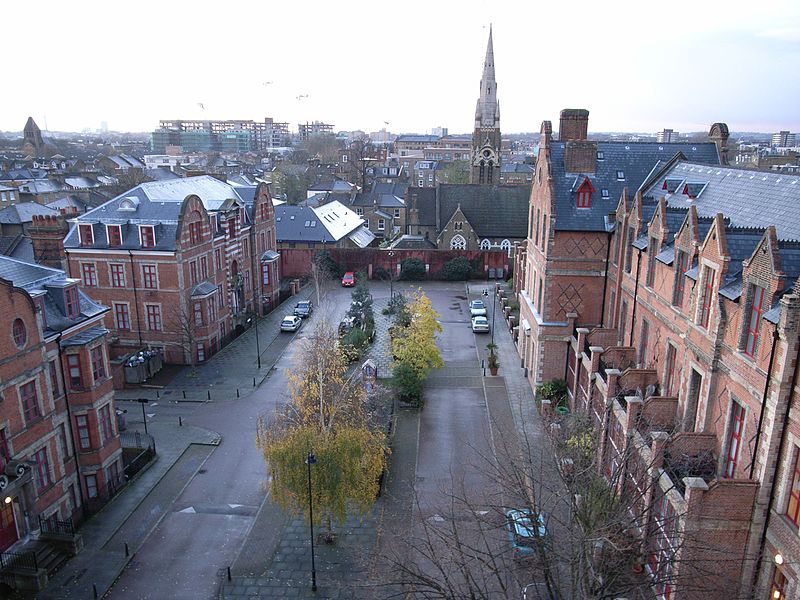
(349, 279)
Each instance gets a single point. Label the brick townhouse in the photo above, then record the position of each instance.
(59, 445)
(687, 363)
(182, 264)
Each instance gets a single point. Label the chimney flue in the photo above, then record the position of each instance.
(573, 125)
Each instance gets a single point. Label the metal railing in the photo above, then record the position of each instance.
(18, 561)
(56, 526)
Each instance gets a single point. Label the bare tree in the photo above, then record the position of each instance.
(600, 526)
(185, 323)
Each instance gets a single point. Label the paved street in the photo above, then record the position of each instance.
(202, 509)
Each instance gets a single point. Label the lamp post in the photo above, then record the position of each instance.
(494, 299)
(310, 460)
(391, 276)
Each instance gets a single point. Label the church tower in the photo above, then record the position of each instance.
(486, 136)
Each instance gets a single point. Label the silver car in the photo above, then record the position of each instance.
(291, 323)
(477, 308)
(480, 325)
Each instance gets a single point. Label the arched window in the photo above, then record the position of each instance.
(20, 333)
(481, 172)
(458, 243)
(505, 245)
(195, 227)
(490, 172)
(486, 245)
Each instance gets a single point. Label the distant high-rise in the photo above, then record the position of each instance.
(667, 135)
(784, 139)
(486, 135)
(221, 136)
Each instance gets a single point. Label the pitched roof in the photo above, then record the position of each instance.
(424, 199)
(748, 198)
(16, 214)
(156, 203)
(499, 211)
(327, 223)
(634, 161)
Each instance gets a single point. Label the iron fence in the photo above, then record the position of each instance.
(18, 561)
(56, 526)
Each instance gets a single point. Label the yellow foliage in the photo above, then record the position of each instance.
(416, 344)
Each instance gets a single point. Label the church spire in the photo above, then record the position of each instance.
(486, 135)
(487, 111)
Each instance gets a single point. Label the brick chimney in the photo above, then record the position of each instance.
(574, 124)
(719, 135)
(47, 236)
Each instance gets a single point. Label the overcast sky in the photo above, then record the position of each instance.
(636, 65)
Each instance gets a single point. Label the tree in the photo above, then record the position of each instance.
(327, 415)
(412, 269)
(455, 172)
(128, 180)
(185, 323)
(416, 343)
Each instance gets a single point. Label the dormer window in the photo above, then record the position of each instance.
(71, 305)
(213, 225)
(114, 234)
(583, 197)
(86, 235)
(600, 155)
(620, 175)
(147, 236)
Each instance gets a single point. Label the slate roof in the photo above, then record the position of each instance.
(159, 204)
(160, 174)
(417, 138)
(40, 186)
(499, 211)
(39, 280)
(16, 214)
(375, 199)
(425, 204)
(747, 198)
(395, 188)
(636, 160)
(299, 224)
(413, 242)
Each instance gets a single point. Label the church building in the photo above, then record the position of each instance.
(486, 135)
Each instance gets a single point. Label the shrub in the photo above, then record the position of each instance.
(412, 269)
(354, 342)
(554, 389)
(407, 383)
(457, 269)
(380, 274)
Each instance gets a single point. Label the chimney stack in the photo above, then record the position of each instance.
(47, 236)
(574, 124)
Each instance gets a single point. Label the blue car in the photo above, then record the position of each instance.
(525, 530)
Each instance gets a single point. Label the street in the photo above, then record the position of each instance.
(202, 532)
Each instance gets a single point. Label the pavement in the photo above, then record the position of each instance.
(274, 561)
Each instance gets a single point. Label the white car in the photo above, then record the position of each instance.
(291, 323)
(480, 325)
(477, 308)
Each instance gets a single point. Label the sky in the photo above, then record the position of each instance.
(407, 66)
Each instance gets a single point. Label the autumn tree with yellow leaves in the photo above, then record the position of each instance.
(326, 415)
(415, 344)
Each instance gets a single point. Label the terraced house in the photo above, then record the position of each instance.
(687, 362)
(59, 446)
(182, 264)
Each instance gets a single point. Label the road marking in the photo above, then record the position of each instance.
(151, 415)
(189, 510)
(154, 404)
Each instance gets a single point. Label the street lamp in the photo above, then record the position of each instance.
(391, 275)
(494, 299)
(310, 460)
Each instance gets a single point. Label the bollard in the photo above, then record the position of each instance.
(158, 395)
(127, 553)
(208, 393)
(94, 590)
(254, 382)
(184, 394)
(237, 392)
(180, 422)
(229, 573)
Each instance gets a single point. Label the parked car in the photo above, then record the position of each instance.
(480, 325)
(303, 309)
(525, 529)
(477, 308)
(348, 279)
(291, 323)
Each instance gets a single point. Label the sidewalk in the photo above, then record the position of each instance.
(130, 516)
(233, 369)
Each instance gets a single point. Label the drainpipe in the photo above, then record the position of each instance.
(605, 283)
(135, 299)
(764, 400)
(772, 487)
(69, 421)
(635, 296)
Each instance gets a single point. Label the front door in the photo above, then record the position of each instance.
(8, 528)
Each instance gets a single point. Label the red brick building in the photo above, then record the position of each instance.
(59, 445)
(182, 264)
(687, 359)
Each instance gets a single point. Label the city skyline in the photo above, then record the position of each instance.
(415, 70)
